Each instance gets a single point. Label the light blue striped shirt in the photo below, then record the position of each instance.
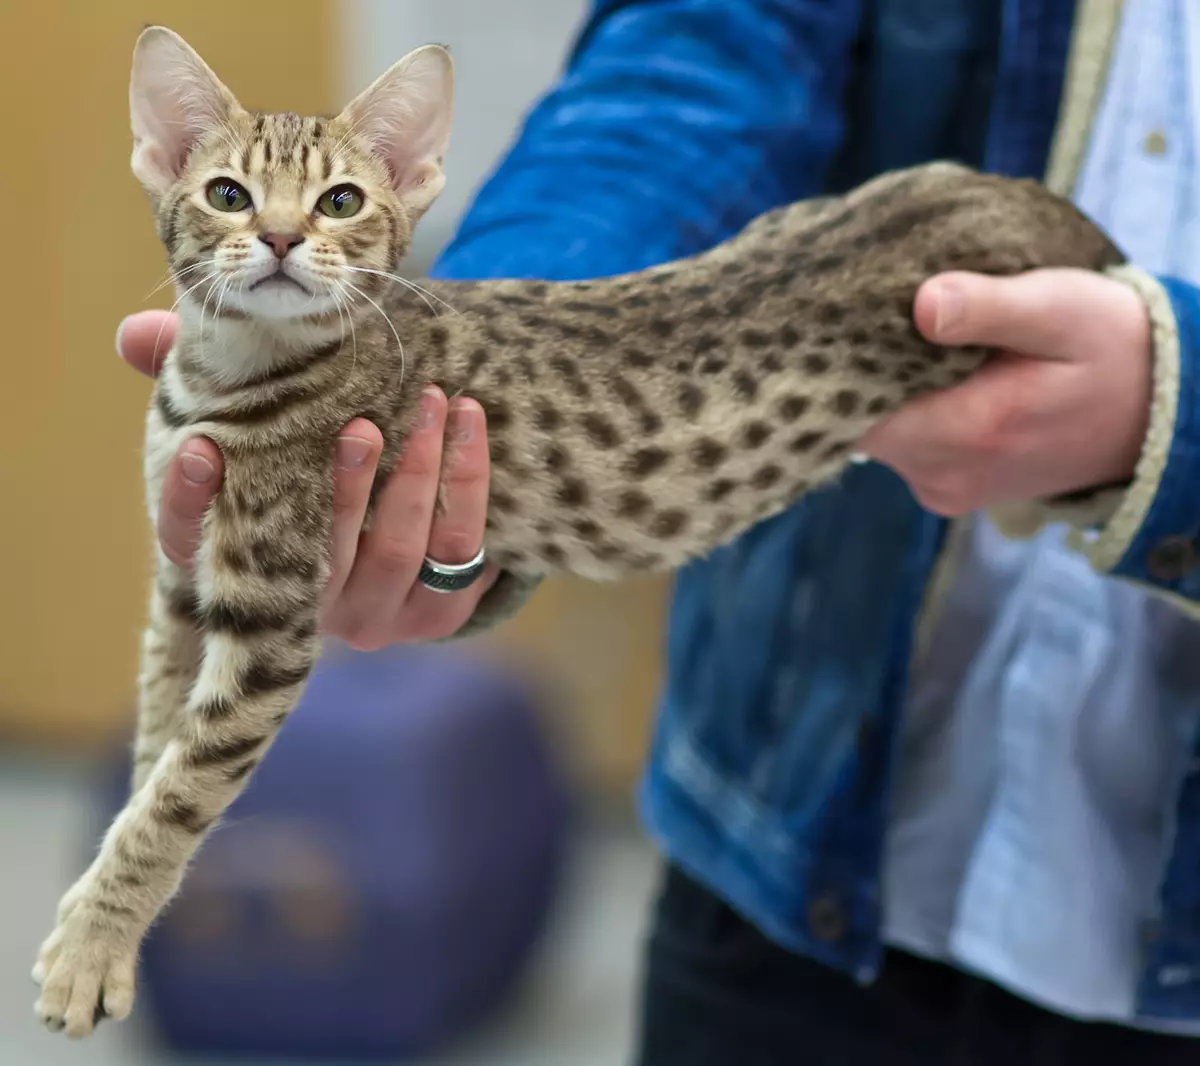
(1051, 720)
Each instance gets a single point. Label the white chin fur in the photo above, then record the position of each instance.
(279, 301)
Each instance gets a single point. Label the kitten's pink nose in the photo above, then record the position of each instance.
(281, 243)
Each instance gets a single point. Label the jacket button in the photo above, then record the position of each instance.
(826, 919)
(1171, 558)
(1155, 143)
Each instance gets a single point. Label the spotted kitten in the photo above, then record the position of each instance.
(635, 422)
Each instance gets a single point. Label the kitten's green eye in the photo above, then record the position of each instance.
(342, 201)
(226, 195)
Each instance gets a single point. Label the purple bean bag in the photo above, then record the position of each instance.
(377, 888)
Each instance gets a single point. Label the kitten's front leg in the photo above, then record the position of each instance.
(260, 641)
(169, 665)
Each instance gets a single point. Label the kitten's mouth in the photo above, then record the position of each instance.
(278, 280)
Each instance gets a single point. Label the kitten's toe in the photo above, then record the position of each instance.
(87, 972)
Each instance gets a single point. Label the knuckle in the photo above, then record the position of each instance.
(455, 546)
(945, 492)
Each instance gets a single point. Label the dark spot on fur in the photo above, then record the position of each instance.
(479, 358)
(755, 338)
(173, 809)
(245, 619)
(572, 492)
(627, 393)
(756, 434)
(637, 358)
(498, 416)
(718, 490)
(691, 399)
(669, 523)
(633, 504)
(806, 441)
(828, 263)
(792, 407)
(651, 422)
(645, 461)
(745, 385)
(845, 402)
(600, 430)
(546, 418)
(816, 364)
(765, 477)
(708, 454)
(213, 753)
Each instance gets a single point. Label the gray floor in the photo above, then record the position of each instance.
(574, 1009)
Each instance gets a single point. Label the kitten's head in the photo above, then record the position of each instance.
(279, 216)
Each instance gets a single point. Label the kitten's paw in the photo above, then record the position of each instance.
(86, 969)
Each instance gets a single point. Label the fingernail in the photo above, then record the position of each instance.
(121, 330)
(950, 308)
(429, 401)
(462, 423)
(352, 452)
(196, 468)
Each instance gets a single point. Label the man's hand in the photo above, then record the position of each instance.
(374, 598)
(1064, 407)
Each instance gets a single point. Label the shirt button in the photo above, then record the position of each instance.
(1155, 143)
(1171, 558)
(826, 919)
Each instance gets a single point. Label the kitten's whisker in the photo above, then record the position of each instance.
(420, 290)
(354, 333)
(176, 276)
(399, 343)
(204, 304)
(163, 325)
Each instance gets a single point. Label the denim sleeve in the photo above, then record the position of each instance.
(674, 123)
(1153, 537)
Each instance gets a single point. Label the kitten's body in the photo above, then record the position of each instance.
(634, 423)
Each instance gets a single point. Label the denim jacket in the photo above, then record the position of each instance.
(674, 123)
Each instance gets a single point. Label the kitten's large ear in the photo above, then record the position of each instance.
(405, 115)
(174, 101)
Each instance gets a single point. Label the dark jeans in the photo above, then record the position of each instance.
(717, 993)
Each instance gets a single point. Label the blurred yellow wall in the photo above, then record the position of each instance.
(79, 252)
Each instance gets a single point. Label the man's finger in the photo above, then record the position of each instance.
(144, 339)
(192, 481)
(391, 551)
(1048, 314)
(458, 528)
(357, 454)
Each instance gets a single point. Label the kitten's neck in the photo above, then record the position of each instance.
(238, 350)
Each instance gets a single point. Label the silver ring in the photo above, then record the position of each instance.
(446, 577)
